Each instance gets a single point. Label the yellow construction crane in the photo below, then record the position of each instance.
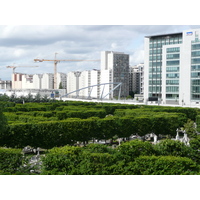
(55, 66)
(14, 67)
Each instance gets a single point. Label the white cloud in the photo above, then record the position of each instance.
(22, 44)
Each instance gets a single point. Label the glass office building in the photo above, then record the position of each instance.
(172, 67)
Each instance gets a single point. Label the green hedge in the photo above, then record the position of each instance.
(131, 158)
(10, 160)
(162, 165)
(48, 134)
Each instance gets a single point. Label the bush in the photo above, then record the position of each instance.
(162, 165)
(64, 160)
(10, 160)
(172, 148)
(128, 151)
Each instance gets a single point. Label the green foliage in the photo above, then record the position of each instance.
(60, 85)
(128, 151)
(190, 129)
(162, 165)
(195, 146)
(10, 160)
(65, 160)
(198, 123)
(172, 148)
(3, 123)
(96, 164)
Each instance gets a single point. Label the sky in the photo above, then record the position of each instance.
(21, 44)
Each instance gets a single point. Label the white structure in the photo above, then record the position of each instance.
(73, 81)
(17, 81)
(172, 67)
(47, 81)
(61, 79)
(78, 80)
(37, 81)
(115, 68)
(5, 85)
(136, 81)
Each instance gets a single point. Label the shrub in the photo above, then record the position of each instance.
(64, 160)
(172, 148)
(128, 151)
(10, 159)
(162, 165)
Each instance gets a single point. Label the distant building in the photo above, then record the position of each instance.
(62, 80)
(48, 81)
(37, 81)
(78, 80)
(73, 81)
(5, 85)
(136, 80)
(115, 68)
(17, 81)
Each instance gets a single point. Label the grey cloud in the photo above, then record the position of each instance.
(21, 44)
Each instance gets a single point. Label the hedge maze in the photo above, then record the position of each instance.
(58, 127)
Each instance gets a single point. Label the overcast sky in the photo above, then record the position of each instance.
(21, 44)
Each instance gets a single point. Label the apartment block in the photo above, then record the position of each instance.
(115, 69)
(136, 79)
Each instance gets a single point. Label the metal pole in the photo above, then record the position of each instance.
(102, 91)
(119, 93)
(55, 72)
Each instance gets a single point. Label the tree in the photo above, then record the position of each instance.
(128, 151)
(172, 148)
(3, 122)
(38, 97)
(190, 129)
(60, 85)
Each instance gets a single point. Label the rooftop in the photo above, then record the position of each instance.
(164, 35)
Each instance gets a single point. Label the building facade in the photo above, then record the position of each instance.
(172, 67)
(136, 79)
(78, 80)
(115, 69)
(38, 81)
(5, 85)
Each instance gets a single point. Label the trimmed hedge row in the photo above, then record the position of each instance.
(130, 158)
(191, 113)
(49, 134)
(10, 160)
(38, 116)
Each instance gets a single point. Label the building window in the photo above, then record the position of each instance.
(172, 62)
(173, 56)
(173, 50)
(195, 46)
(195, 60)
(195, 53)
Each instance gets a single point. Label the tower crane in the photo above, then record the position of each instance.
(55, 66)
(14, 67)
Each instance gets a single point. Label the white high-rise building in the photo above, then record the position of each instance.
(47, 81)
(115, 68)
(73, 81)
(136, 81)
(78, 80)
(62, 80)
(172, 67)
(17, 81)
